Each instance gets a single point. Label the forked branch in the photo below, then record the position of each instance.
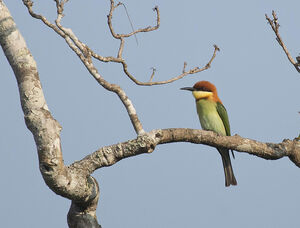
(85, 55)
(275, 27)
(119, 36)
(74, 182)
(175, 78)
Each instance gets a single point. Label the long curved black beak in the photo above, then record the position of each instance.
(188, 88)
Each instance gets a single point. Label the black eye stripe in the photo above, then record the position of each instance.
(203, 89)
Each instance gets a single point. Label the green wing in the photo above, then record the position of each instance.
(223, 114)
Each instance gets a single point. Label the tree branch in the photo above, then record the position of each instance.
(68, 34)
(85, 54)
(119, 36)
(74, 182)
(184, 73)
(147, 29)
(146, 143)
(275, 27)
(70, 183)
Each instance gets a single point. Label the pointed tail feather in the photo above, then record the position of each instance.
(228, 171)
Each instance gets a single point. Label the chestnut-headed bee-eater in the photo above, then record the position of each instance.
(213, 117)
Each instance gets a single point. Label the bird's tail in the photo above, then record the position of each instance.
(228, 171)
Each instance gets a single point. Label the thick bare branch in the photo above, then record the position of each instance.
(67, 182)
(147, 142)
(275, 27)
(74, 182)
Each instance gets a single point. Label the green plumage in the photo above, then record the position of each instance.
(223, 114)
(213, 117)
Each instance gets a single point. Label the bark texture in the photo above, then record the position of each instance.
(146, 143)
(74, 182)
(65, 181)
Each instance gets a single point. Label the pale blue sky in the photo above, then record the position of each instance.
(178, 185)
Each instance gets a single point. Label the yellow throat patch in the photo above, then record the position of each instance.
(202, 94)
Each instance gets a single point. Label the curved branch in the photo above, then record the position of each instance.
(85, 53)
(82, 49)
(119, 58)
(275, 27)
(122, 36)
(119, 36)
(146, 143)
(74, 182)
(68, 182)
(184, 73)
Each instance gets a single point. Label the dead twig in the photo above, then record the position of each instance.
(184, 73)
(275, 27)
(85, 54)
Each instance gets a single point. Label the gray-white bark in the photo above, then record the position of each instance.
(67, 182)
(74, 182)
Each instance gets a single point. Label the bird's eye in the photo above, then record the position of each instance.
(204, 89)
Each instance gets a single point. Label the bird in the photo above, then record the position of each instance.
(213, 117)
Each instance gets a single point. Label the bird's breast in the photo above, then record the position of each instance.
(209, 117)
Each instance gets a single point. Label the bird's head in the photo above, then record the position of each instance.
(204, 90)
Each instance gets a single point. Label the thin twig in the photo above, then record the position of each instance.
(119, 36)
(184, 67)
(152, 75)
(189, 72)
(275, 27)
(85, 53)
(119, 58)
